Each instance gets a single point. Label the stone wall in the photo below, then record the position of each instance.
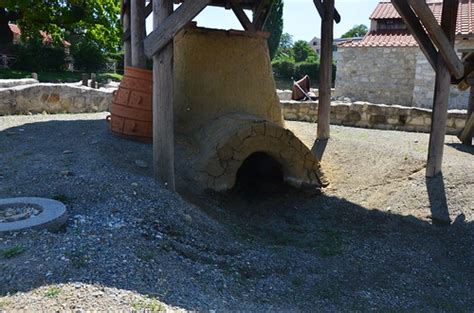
(378, 75)
(423, 90)
(392, 75)
(53, 98)
(369, 115)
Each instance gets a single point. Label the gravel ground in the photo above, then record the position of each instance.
(368, 242)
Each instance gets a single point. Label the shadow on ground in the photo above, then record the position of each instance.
(268, 248)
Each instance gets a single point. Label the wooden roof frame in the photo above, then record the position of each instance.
(436, 42)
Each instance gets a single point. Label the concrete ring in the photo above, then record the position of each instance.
(52, 217)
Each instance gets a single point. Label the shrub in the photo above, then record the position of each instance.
(37, 57)
(88, 56)
(285, 69)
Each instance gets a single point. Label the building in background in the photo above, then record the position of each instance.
(388, 67)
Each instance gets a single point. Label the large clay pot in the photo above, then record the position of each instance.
(132, 111)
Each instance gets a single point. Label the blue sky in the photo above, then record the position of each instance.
(300, 17)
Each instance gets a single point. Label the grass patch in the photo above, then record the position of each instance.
(62, 198)
(4, 304)
(56, 77)
(149, 306)
(13, 251)
(77, 258)
(52, 292)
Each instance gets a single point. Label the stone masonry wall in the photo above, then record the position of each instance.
(53, 98)
(369, 115)
(423, 90)
(392, 75)
(378, 75)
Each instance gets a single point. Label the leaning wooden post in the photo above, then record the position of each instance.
(441, 96)
(466, 135)
(163, 128)
(325, 70)
(138, 33)
(127, 44)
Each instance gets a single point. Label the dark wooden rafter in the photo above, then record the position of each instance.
(439, 37)
(417, 30)
(261, 13)
(319, 6)
(442, 84)
(172, 25)
(242, 16)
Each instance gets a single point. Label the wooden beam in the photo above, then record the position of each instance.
(163, 116)
(441, 97)
(169, 27)
(319, 6)
(438, 37)
(138, 33)
(466, 135)
(261, 13)
(242, 17)
(325, 70)
(417, 30)
(127, 44)
(148, 9)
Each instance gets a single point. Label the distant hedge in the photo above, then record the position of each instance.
(37, 57)
(287, 70)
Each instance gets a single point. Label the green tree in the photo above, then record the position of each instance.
(69, 19)
(274, 26)
(302, 52)
(356, 31)
(286, 41)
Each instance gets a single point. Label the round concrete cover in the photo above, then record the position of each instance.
(52, 217)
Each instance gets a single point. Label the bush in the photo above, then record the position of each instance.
(37, 57)
(88, 56)
(285, 69)
(310, 69)
(288, 70)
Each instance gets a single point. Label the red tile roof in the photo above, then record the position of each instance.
(402, 38)
(465, 23)
(46, 37)
(384, 38)
(15, 29)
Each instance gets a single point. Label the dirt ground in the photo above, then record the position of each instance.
(376, 239)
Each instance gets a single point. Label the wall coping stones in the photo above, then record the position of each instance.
(370, 115)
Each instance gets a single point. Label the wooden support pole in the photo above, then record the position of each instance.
(127, 44)
(261, 14)
(163, 117)
(441, 97)
(439, 37)
(468, 131)
(319, 6)
(172, 24)
(325, 70)
(242, 17)
(138, 33)
(417, 30)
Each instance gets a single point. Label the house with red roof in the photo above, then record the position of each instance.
(16, 32)
(387, 65)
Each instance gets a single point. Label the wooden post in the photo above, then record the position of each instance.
(93, 80)
(325, 70)
(138, 33)
(163, 118)
(466, 135)
(127, 44)
(441, 97)
(85, 79)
